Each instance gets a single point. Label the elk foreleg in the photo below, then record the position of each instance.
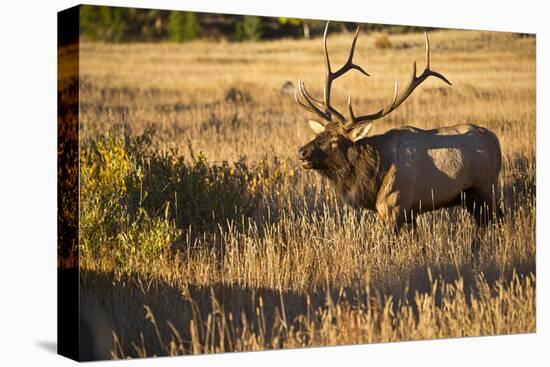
(393, 203)
(393, 217)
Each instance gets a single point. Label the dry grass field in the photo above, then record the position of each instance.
(206, 236)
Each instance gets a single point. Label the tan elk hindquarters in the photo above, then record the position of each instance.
(432, 169)
(405, 170)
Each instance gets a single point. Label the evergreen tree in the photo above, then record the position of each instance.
(103, 23)
(183, 26)
(249, 28)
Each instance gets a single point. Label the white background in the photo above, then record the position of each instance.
(28, 181)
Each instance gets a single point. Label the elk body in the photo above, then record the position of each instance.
(405, 171)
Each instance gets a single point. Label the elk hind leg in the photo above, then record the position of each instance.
(488, 197)
(474, 206)
(482, 204)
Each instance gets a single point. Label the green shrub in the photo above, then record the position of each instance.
(249, 28)
(183, 26)
(103, 23)
(144, 243)
(136, 200)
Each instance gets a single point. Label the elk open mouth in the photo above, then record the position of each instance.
(307, 164)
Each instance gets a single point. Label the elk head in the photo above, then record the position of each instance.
(335, 133)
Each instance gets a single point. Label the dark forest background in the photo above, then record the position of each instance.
(117, 24)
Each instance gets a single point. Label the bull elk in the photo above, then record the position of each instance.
(405, 171)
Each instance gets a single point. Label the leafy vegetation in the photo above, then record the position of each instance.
(104, 23)
(183, 26)
(117, 24)
(136, 199)
(249, 28)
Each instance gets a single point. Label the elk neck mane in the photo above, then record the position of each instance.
(357, 174)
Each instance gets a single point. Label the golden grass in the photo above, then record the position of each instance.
(303, 270)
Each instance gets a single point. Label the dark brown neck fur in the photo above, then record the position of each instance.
(357, 173)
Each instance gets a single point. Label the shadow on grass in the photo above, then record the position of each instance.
(120, 305)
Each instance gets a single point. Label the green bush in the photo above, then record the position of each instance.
(137, 200)
(118, 24)
(249, 28)
(183, 26)
(103, 23)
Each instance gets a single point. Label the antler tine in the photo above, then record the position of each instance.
(314, 105)
(309, 96)
(330, 114)
(427, 68)
(396, 90)
(309, 99)
(331, 76)
(417, 80)
(300, 102)
(310, 106)
(350, 108)
(427, 50)
(399, 98)
(327, 59)
(332, 111)
(328, 75)
(349, 63)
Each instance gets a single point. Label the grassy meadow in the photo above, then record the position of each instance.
(200, 233)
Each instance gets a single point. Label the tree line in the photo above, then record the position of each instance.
(117, 24)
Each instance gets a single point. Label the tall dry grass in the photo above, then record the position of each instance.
(299, 268)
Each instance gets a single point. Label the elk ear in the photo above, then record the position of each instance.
(316, 126)
(360, 132)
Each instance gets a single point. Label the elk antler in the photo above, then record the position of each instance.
(323, 108)
(328, 113)
(414, 82)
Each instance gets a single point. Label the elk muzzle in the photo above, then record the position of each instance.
(308, 155)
